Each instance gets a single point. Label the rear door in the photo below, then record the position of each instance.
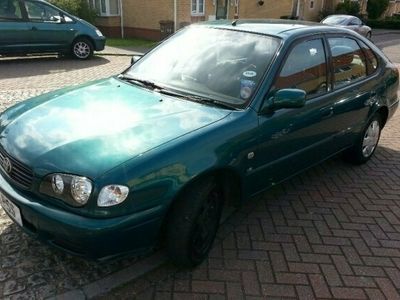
(354, 92)
(14, 31)
(49, 30)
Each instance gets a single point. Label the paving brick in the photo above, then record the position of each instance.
(208, 287)
(387, 288)
(278, 261)
(264, 271)
(291, 278)
(319, 285)
(303, 268)
(342, 265)
(304, 292)
(375, 294)
(348, 293)
(368, 271)
(250, 283)
(234, 291)
(358, 281)
(278, 290)
(331, 275)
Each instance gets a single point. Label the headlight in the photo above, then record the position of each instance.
(98, 32)
(112, 195)
(81, 187)
(57, 183)
(72, 189)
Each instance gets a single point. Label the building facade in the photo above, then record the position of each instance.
(141, 18)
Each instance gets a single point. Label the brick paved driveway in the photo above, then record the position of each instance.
(333, 231)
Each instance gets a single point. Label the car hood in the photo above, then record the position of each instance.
(90, 129)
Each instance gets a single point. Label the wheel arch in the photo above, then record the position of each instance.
(86, 36)
(384, 113)
(231, 184)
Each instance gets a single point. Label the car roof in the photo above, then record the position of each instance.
(281, 28)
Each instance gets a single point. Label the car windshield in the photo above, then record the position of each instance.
(336, 20)
(224, 65)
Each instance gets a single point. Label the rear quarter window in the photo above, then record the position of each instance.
(371, 58)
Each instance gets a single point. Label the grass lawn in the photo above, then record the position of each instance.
(129, 43)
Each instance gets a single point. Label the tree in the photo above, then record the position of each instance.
(79, 8)
(376, 8)
(348, 7)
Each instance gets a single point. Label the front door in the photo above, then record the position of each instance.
(293, 139)
(49, 29)
(222, 9)
(14, 33)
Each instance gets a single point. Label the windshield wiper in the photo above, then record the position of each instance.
(196, 98)
(140, 81)
(162, 90)
(211, 101)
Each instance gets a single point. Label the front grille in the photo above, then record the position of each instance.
(20, 173)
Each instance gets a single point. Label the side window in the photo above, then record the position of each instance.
(355, 21)
(305, 69)
(348, 61)
(372, 60)
(38, 12)
(10, 10)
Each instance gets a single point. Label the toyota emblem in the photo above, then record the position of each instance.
(7, 165)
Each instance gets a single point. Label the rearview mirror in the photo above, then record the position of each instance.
(286, 98)
(135, 58)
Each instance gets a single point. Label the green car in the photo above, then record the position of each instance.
(214, 115)
(36, 26)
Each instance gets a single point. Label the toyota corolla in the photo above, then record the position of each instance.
(215, 114)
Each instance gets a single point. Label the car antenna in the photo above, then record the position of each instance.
(234, 23)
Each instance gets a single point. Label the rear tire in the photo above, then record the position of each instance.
(82, 48)
(366, 143)
(193, 223)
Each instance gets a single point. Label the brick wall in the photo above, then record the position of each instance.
(270, 9)
(147, 13)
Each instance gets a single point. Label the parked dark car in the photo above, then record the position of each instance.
(215, 114)
(349, 22)
(36, 26)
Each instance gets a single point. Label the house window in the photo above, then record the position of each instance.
(105, 7)
(198, 7)
(311, 4)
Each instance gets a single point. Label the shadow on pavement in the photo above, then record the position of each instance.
(16, 67)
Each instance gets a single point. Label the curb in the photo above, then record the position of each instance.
(106, 284)
(385, 33)
(114, 54)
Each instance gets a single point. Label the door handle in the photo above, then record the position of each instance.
(326, 112)
(34, 28)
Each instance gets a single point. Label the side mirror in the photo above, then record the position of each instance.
(285, 98)
(135, 58)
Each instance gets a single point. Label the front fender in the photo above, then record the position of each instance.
(157, 177)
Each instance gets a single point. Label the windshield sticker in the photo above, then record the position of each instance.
(250, 74)
(246, 88)
(313, 51)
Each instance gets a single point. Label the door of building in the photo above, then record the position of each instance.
(222, 9)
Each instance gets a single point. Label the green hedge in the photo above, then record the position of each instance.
(79, 8)
(392, 23)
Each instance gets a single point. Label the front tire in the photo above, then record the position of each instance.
(82, 48)
(367, 142)
(193, 223)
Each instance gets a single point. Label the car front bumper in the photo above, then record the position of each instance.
(99, 43)
(89, 237)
